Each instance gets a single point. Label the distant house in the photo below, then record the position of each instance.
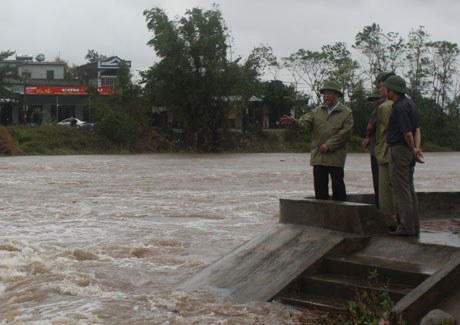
(44, 93)
(102, 73)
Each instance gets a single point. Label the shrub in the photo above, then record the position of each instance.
(119, 127)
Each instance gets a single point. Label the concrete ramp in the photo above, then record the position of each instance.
(262, 267)
(322, 251)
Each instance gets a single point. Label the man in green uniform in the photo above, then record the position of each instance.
(369, 142)
(331, 125)
(386, 199)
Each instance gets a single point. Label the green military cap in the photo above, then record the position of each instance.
(373, 96)
(331, 85)
(382, 76)
(396, 83)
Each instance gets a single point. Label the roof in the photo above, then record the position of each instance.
(19, 62)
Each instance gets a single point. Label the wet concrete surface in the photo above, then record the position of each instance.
(106, 239)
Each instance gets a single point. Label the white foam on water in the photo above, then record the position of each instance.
(106, 239)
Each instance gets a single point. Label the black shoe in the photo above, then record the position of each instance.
(401, 233)
(392, 228)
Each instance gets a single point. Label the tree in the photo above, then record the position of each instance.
(443, 68)
(396, 47)
(93, 56)
(6, 72)
(309, 67)
(246, 79)
(193, 77)
(383, 51)
(371, 43)
(361, 110)
(266, 60)
(123, 76)
(279, 99)
(418, 61)
(342, 67)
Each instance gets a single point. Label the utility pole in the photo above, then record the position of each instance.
(24, 113)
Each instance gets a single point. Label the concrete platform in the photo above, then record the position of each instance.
(311, 231)
(351, 217)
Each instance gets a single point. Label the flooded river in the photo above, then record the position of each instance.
(106, 239)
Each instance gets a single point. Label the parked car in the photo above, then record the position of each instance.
(72, 121)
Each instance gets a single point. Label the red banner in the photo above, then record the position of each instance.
(42, 90)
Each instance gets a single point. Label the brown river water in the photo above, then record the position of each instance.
(107, 239)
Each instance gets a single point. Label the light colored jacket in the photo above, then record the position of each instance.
(381, 146)
(334, 130)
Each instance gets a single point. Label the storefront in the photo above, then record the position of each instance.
(58, 103)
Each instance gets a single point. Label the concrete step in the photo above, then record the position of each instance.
(388, 271)
(314, 302)
(346, 286)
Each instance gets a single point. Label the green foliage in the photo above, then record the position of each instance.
(384, 51)
(418, 61)
(297, 141)
(310, 67)
(93, 56)
(119, 127)
(279, 99)
(342, 67)
(369, 307)
(192, 78)
(443, 68)
(123, 76)
(121, 117)
(5, 73)
(58, 140)
(361, 109)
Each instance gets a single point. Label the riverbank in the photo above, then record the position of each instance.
(58, 140)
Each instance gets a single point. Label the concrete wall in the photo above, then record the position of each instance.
(432, 205)
(38, 71)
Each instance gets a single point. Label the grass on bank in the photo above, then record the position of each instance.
(59, 140)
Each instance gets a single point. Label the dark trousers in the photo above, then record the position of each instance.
(375, 178)
(402, 165)
(321, 180)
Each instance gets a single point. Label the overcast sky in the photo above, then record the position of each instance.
(117, 27)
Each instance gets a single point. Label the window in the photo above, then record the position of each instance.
(108, 81)
(50, 74)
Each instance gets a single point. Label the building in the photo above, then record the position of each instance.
(46, 93)
(102, 73)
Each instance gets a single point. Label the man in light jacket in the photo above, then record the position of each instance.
(331, 125)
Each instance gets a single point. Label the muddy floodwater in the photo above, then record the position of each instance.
(106, 239)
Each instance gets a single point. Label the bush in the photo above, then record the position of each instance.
(297, 141)
(58, 140)
(119, 127)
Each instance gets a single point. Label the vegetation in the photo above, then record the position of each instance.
(370, 307)
(198, 79)
(5, 73)
(59, 140)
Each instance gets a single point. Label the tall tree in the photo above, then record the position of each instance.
(193, 77)
(246, 79)
(93, 56)
(418, 61)
(342, 67)
(371, 42)
(6, 72)
(443, 68)
(279, 99)
(383, 51)
(267, 61)
(310, 67)
(123, 76)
